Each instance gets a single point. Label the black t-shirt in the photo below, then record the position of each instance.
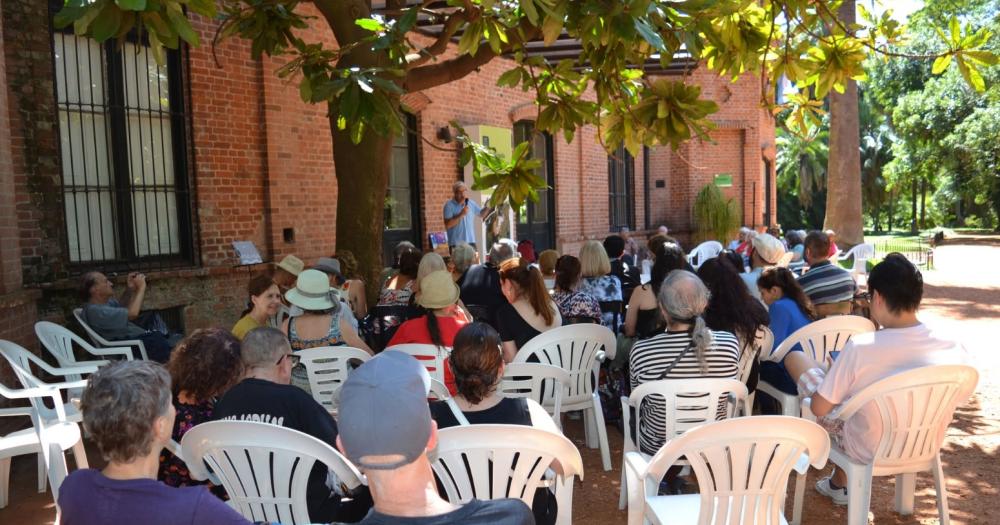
(513, 327)
(481, 286)
(263, 401)
(509, 411)
(492, 512)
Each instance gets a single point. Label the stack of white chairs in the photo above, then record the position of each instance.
(579, 349)
(861, 253)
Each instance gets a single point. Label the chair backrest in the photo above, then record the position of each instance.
(761, 345)
(861, 253)
(502, 461)
(703, 252)
(543, 383)
(438, 391)
(819, 338)
(687, 403)
(58, 340)
(327, 368)
(742, 465)
(98, 340)
(575, 349)
(918, 404)
(431, 356)
(20, 360)
(264, 468)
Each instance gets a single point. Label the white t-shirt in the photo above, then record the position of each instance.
(874, 356)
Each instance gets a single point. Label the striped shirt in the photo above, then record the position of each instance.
(826, 283)
(651, 357)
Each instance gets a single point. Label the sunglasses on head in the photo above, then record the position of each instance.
(292, 358)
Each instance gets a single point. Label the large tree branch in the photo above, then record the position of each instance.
(340, 16)
(440, 45)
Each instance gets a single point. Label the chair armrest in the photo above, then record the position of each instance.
(79, 369)
(125, 351)
(97, 363)
(600, 356)
(635, 467)
(16, 411)
(65, 385)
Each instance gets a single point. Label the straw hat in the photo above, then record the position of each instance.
(292, 265)
(437, 290)
(312, 292)
(768, 247)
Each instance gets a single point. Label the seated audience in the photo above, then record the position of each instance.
(731, 308)
(127, 413)
(790, 310)
(119, 320)
(387, 432)
(323, 321)
(547, 264)
(631, 254)
(626, 272)
(443, 319)
(263, 304)
(833, 250)
(796, 244)
(599, 283)
(903, 343)
(430, 262)
(742, 243)
(286, 271)
(687, 349)
(829, 287)
(765, 250)
(463, 257)
(331, 267)
(529, 311)
(265, 395)
(392, 271)
(202, 368)
(574, 306)
(481, 287)
(526, 250)
(398, 289)
(642, 318)
(355, 285)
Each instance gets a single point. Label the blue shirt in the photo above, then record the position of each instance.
(786, 319)
(465, 230)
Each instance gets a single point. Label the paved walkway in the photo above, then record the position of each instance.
(962, 296)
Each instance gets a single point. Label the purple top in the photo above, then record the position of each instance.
(88, 497)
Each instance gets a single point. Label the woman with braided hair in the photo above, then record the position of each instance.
(686, 349)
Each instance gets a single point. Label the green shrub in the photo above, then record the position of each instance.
(715, 217)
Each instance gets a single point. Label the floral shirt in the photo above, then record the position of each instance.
(398, 297)
(577, 304)
(173, 471)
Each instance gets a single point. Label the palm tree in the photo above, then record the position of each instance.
(802, 162)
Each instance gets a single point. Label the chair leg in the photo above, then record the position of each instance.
(43, 481)
(905, 485)
(4, 481)
(859, 493)
(602, 433)
(623, 493)
(57, 469)
(564, 501)
(941, 486)
(800, 493)
(589, 428)
(80, 455)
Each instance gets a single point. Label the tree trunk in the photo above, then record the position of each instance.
(923, 203)
(362, 178)
(913, 206)
(843, 196)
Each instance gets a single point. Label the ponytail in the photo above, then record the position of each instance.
(790, 288)
(531, 284)
(434, 329)
(701, 340)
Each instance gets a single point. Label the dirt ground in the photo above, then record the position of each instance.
(962, 297)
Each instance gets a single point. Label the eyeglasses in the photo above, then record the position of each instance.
(292, 358)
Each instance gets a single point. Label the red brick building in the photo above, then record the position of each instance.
(109, 162)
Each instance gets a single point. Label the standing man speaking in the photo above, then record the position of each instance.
(458, 217)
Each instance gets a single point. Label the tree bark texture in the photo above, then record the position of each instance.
(843, 196)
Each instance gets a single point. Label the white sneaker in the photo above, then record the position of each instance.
(839, 496)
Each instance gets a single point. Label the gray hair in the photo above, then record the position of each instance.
(457, 184)
(501, 251)
(263, 346)
(430, 262)
(120, 405)
(683, 297)
(463, 255)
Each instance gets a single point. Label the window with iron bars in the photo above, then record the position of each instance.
(621, 193)
(122, 131)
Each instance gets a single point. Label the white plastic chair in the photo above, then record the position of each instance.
(431, 356)
(861, 253)
(59, 341)
(264, 468)
(915, 407)
(703, 252)
(545, 384)
(501, 461)
(438, 391)
(762, 345)
(51, 435)
(327, 367)
(578, 349)
(817, 340)
(742, 467)
(21, 360)
(284, 312)
(102, 342)
(687, 403)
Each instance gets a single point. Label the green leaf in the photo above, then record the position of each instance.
(131, 5)
(180, 24)
(650, 35)
(305, 90)
(941, 63)
(205, 8)
(370, 24)
(956, 31)
(528, 6)
(551, 29)
(67, 15)
(510, 78)
(106, 24)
